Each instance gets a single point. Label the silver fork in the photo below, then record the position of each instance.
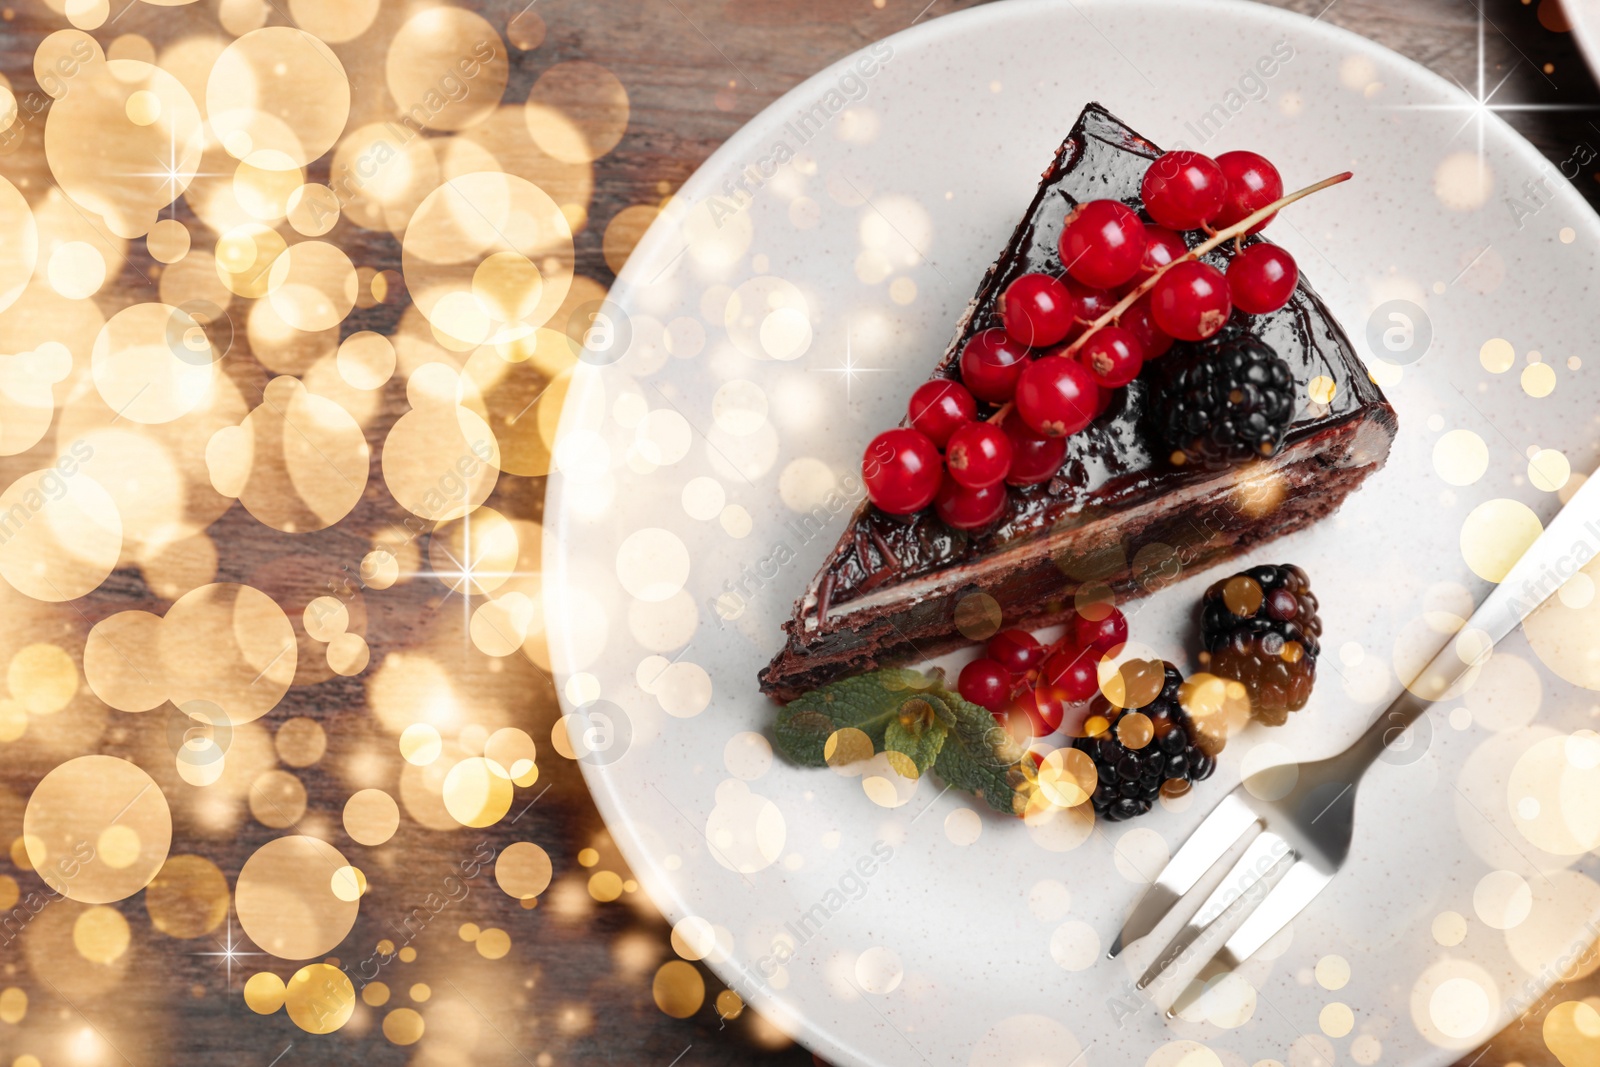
(1310, 828)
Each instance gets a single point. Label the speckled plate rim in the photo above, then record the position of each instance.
(658, 247)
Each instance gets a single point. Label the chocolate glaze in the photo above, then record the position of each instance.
(1110, 467)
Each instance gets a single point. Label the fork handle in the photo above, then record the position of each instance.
(1570, 541)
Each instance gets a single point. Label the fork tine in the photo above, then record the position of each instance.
(1287, 899)
(1263, 856)
(1210, 841)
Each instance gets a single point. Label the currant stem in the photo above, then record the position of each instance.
(1237, 230)
(1001, 413)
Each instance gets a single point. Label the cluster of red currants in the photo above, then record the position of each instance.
(1043, 683)
(1128, 292)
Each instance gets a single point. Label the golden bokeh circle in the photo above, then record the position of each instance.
(278, 89)
(167, 241)
(277, 799)
(488, 258)
(441, 460)
(403, 1026)
(366, 360)
(101, 934)
(106, 137)
(298, 462)
(371, 817)
(348, 654)
(1067, 777)
(188, 897)
(1565, 630)
(121, 664)
(577, 111)
(512, 754)
(13, 1005)
(446, 69)
(320, 998)
(300, 741)
(264, 992)
(380, 182)
(228, 644)
(475, 794)
(678, 989)
(312, 286)
(244, 256)
(152, 363)
(68, 539)
(493, 943)
(285, 900)
(20, 251)
(97, 829)
(624, 232)
(42, 678)
(334, 21)
(312, 210)
(523, 870)
(1571, 1032)
(526, 30)
(1495, 534)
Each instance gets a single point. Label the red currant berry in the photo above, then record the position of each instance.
(1191, 301)
(991, 362)
(940, 407)
(1074, 673)
(1043, 719)
(985, 683)
(1262, 278)
(969, 509)
(1140, 321)
(1103, 399)
(1036, 310)
(902, 471)
(1102, 243)
(1017, 651)
(1162, 246)
(1056, 396)
(1183, 189)
(1104, 635)
(1035, 458)
(1253, 183)
(1112, 355)
(978, 454)
(1088, 303)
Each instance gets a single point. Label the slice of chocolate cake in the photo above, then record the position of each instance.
(1123, 509)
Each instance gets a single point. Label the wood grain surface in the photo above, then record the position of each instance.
(580, 990)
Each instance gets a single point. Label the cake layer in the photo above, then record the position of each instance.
(889, 590)
(1135, 550)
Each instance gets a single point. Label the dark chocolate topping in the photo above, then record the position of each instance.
(1115, 461)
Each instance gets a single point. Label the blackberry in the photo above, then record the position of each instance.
(1232, 401)
(1260, 627)
(1134, 760)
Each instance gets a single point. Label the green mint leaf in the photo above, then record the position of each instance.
(914, 714)
(867, 702)
(917, 731)
(980, 757)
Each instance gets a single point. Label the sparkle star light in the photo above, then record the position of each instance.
(229, 950)
(1482, 102)
(175, 173)
(849, 368)
(466, 575)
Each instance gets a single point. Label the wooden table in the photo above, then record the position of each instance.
(578, 985)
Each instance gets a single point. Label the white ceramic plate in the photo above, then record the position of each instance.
(1584, 18)
(712, 414)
